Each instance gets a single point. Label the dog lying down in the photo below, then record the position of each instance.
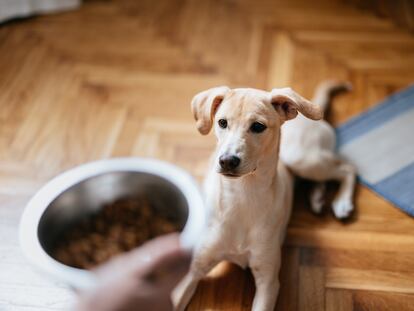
(249, 191)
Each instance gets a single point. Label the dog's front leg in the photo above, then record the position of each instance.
(184, 291)
(266, 276)
(203, 262)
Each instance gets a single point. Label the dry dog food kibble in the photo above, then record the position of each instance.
(116, 228)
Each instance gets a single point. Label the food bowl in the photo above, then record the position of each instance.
(81, 191)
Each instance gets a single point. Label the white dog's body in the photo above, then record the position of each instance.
(248, 190)
(308, 149)
(250, 231)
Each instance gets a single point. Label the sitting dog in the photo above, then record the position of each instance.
(248, 190)
(308, 149)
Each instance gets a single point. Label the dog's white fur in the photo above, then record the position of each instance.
(250, 208)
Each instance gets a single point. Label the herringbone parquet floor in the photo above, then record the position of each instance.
(115, 78)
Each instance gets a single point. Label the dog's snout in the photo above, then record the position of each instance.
(229, 162)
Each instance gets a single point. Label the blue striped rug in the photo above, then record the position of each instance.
(380, 143)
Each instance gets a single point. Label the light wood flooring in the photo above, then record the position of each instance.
(115, 78)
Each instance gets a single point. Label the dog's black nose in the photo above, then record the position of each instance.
(229, 162)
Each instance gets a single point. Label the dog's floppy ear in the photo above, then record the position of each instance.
(204, 105)
(287, 103)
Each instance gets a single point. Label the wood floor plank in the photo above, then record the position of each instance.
(289, 279)
(338, 300)
(350, 240)
(217, 291)
(371, 280)
(363, 259)
(367, 301)
(311, 288)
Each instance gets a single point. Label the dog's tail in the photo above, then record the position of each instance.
(326, 90)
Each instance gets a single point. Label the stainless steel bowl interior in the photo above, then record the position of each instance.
(89, 195)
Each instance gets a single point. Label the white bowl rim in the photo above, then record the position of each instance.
(83, 279)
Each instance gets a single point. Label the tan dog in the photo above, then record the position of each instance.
(308, 149)
(248, 191)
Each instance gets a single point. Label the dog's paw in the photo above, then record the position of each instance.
(317, 200)
(316, 206)
(342, 208)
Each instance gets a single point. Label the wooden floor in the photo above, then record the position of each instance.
(115, 78)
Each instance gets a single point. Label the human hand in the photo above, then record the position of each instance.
(139, 280)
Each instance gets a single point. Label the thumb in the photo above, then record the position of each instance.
(168, 269)
(167, 266)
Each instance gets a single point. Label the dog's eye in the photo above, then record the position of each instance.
(222, 123)
(257, 127)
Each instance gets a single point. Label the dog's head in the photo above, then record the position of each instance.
(247, 123)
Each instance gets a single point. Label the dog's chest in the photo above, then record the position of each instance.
(236, 240)
(239, 221)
